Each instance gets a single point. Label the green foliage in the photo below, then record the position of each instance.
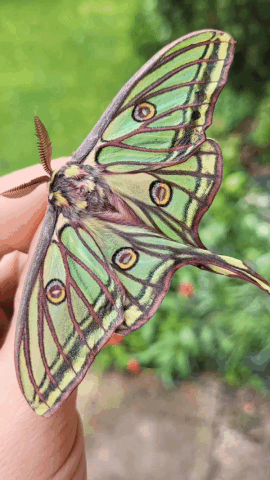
(64, 60)
(69, 67)
(248, 92)
(246, 20)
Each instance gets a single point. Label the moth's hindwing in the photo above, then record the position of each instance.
(75, 306)
(172, 200)
(145, 262)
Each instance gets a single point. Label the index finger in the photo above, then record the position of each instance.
(20, 217)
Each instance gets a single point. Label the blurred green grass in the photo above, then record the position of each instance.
(66, 60)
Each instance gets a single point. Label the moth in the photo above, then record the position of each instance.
(123, 216)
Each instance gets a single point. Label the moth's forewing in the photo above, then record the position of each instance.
(184, 78)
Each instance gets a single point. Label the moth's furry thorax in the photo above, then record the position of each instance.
(79, 190)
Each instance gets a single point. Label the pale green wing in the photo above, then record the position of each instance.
(96, 278)
(75, 305)
(145, 262)
(172, 200)
(159, 118)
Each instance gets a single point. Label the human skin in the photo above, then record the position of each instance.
(32, 447)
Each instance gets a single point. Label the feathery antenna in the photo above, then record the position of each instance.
(44, 146)
(25, 188)
(45, 152)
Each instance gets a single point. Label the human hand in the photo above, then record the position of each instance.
(31, 446)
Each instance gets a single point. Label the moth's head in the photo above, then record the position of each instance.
(77, 188)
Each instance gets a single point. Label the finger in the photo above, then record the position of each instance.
(20, 218)
(7, 371)
(4, 324)
(13, 270)
(11, 266)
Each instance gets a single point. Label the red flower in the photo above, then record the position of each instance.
(133, 366)
(249, 408)
(186, 289)
(115, 339)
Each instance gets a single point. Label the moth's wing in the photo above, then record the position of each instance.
(145, 262)
(160, 115)
(71, 305)
(172, 200)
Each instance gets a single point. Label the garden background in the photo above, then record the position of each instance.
(66, 60)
